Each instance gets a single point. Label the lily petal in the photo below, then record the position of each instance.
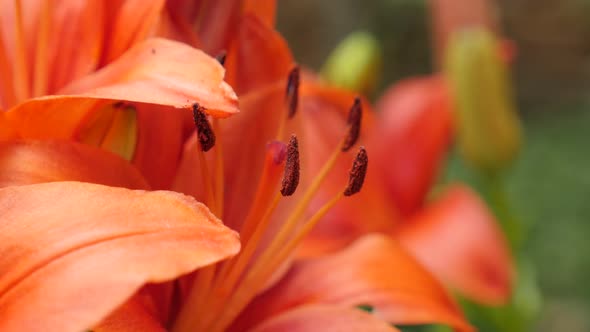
(157, 71)
(373, 271)
(257, 56)
(217, 24)
(72, 252)
(411, 139)
(458, 239)
(129, 22)
(159, 143)
(28, 162)
(162, 72)
(312, 318)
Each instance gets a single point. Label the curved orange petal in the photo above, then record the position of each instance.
(157, 71)
(318, 318)
(257, 56)
(458, 239)
(72, 252)
(411, 139)
(163, 72)
(373, 271)
(28, 162)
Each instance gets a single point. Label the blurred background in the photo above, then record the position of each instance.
(549, 184)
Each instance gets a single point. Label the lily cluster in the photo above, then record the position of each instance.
(166, 165)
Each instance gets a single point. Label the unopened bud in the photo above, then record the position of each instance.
(488, 128)
(355, 63)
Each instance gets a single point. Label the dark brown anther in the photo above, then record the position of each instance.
(291, 176)
(221, 57)
(355, 116)
(292, 92)
(205, 134)
(357, 173)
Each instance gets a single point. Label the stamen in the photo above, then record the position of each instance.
(291, 178)
(193, 313)
(357, 173)
(289, 185)
(292, 93)
(204, 132)
(221, 57)
(354, 121)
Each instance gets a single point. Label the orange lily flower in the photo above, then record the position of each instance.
(259, 67)
(60, 230)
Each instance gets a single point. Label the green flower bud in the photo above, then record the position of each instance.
(488, 127)
(355, 63)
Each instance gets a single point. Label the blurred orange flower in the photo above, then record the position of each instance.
(84, 126)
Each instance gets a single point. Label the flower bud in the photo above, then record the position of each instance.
(355, 63)
(488, 128)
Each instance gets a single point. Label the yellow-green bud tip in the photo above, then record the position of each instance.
(355, 63)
